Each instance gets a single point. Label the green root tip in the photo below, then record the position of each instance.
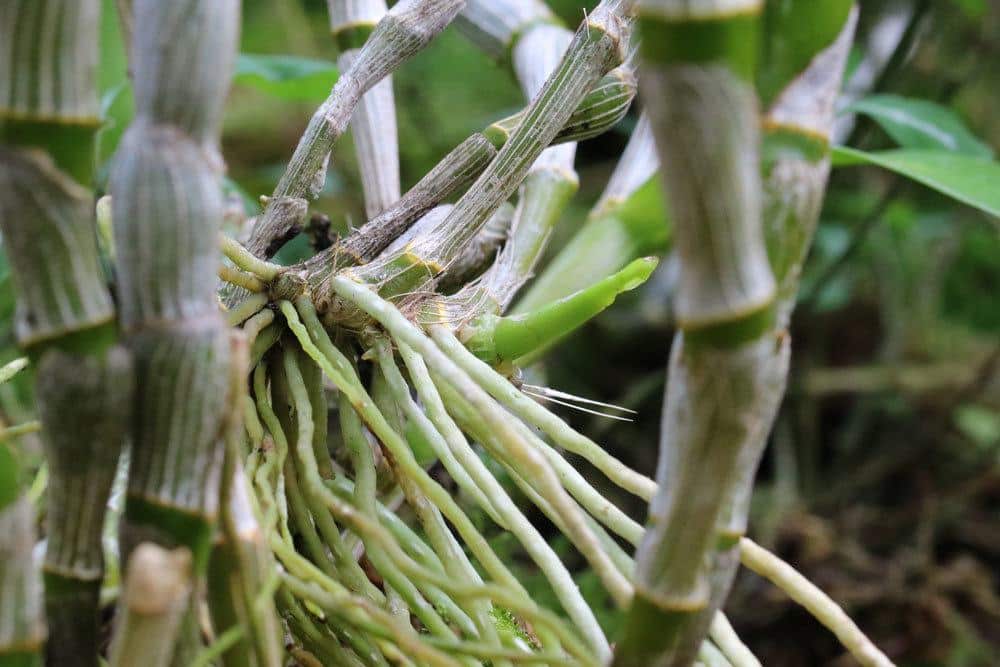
(499, 339)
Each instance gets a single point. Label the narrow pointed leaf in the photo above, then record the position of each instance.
(920, 124)
(971, 180)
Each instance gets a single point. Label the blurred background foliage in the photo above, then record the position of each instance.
(882, 481)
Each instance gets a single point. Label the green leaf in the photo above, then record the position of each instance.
(287, 77)
(921, 124)
(969, 179)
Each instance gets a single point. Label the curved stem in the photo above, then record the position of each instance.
(825, 610)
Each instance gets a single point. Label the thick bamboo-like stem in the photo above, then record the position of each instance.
(86, 408)
(404, 31)
(65, 319)
(49, 108)
(796, 164)
(596, 48)
(167, 206)
(374, 122)
(698, 70)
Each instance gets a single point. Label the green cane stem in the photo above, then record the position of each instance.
(699, 58)
(64, 318)
(794, 185)
(193, 348)
(22, 628)
(89, 399)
